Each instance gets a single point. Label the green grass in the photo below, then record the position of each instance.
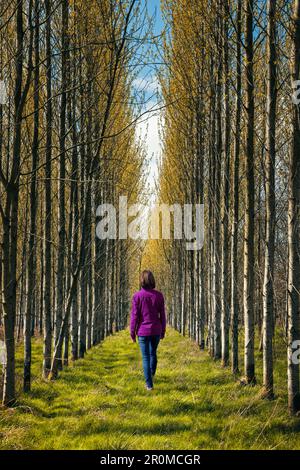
(101, 403)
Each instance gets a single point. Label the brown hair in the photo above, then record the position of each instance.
(147, 280)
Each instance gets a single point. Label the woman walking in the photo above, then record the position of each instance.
(148, 323)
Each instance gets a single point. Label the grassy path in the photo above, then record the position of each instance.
(101, 403)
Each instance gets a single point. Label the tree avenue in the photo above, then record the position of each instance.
(228, 79)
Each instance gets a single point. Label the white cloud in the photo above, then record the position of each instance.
(149, 85)
(148, 130)
(148, 126)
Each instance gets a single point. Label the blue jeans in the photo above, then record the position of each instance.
(148, 345)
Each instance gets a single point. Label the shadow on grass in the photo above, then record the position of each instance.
(223, 379)
(285, 428)
(81, 379)
(43, 393)
(136, 429)
(185, 408)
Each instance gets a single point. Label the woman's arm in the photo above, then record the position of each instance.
(163, 318)
(134, 317)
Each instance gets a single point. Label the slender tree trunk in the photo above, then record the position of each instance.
(211, 209)
(226, 186)
(74, 239)
(268, 294)
(48, 204)
(259, 237)
(234, 304)
(294, 231)
(10, 215)
(200, 174)
(60, 275)
(217, 211)
(83, 282)
(31, 276)
(248, 292)
(42, 274)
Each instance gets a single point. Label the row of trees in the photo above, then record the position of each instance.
(231, 141)
(67, 144)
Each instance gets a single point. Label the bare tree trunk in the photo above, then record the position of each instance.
(226, 186)
(83, 282)
(74, 238)
(268, 293)
(10, 213)
(248, 292)
(60, 275)
(200, 177)
(234, 304)
(89, 305)
(294, 231)
(217, 208)
(260, 235)
(42, 274)
(48, 204)
(211, 210)
(31, 275)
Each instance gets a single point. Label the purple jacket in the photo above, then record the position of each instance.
(148, 315)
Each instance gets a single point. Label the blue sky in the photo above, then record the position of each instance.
(154, 5)
(148, 127)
